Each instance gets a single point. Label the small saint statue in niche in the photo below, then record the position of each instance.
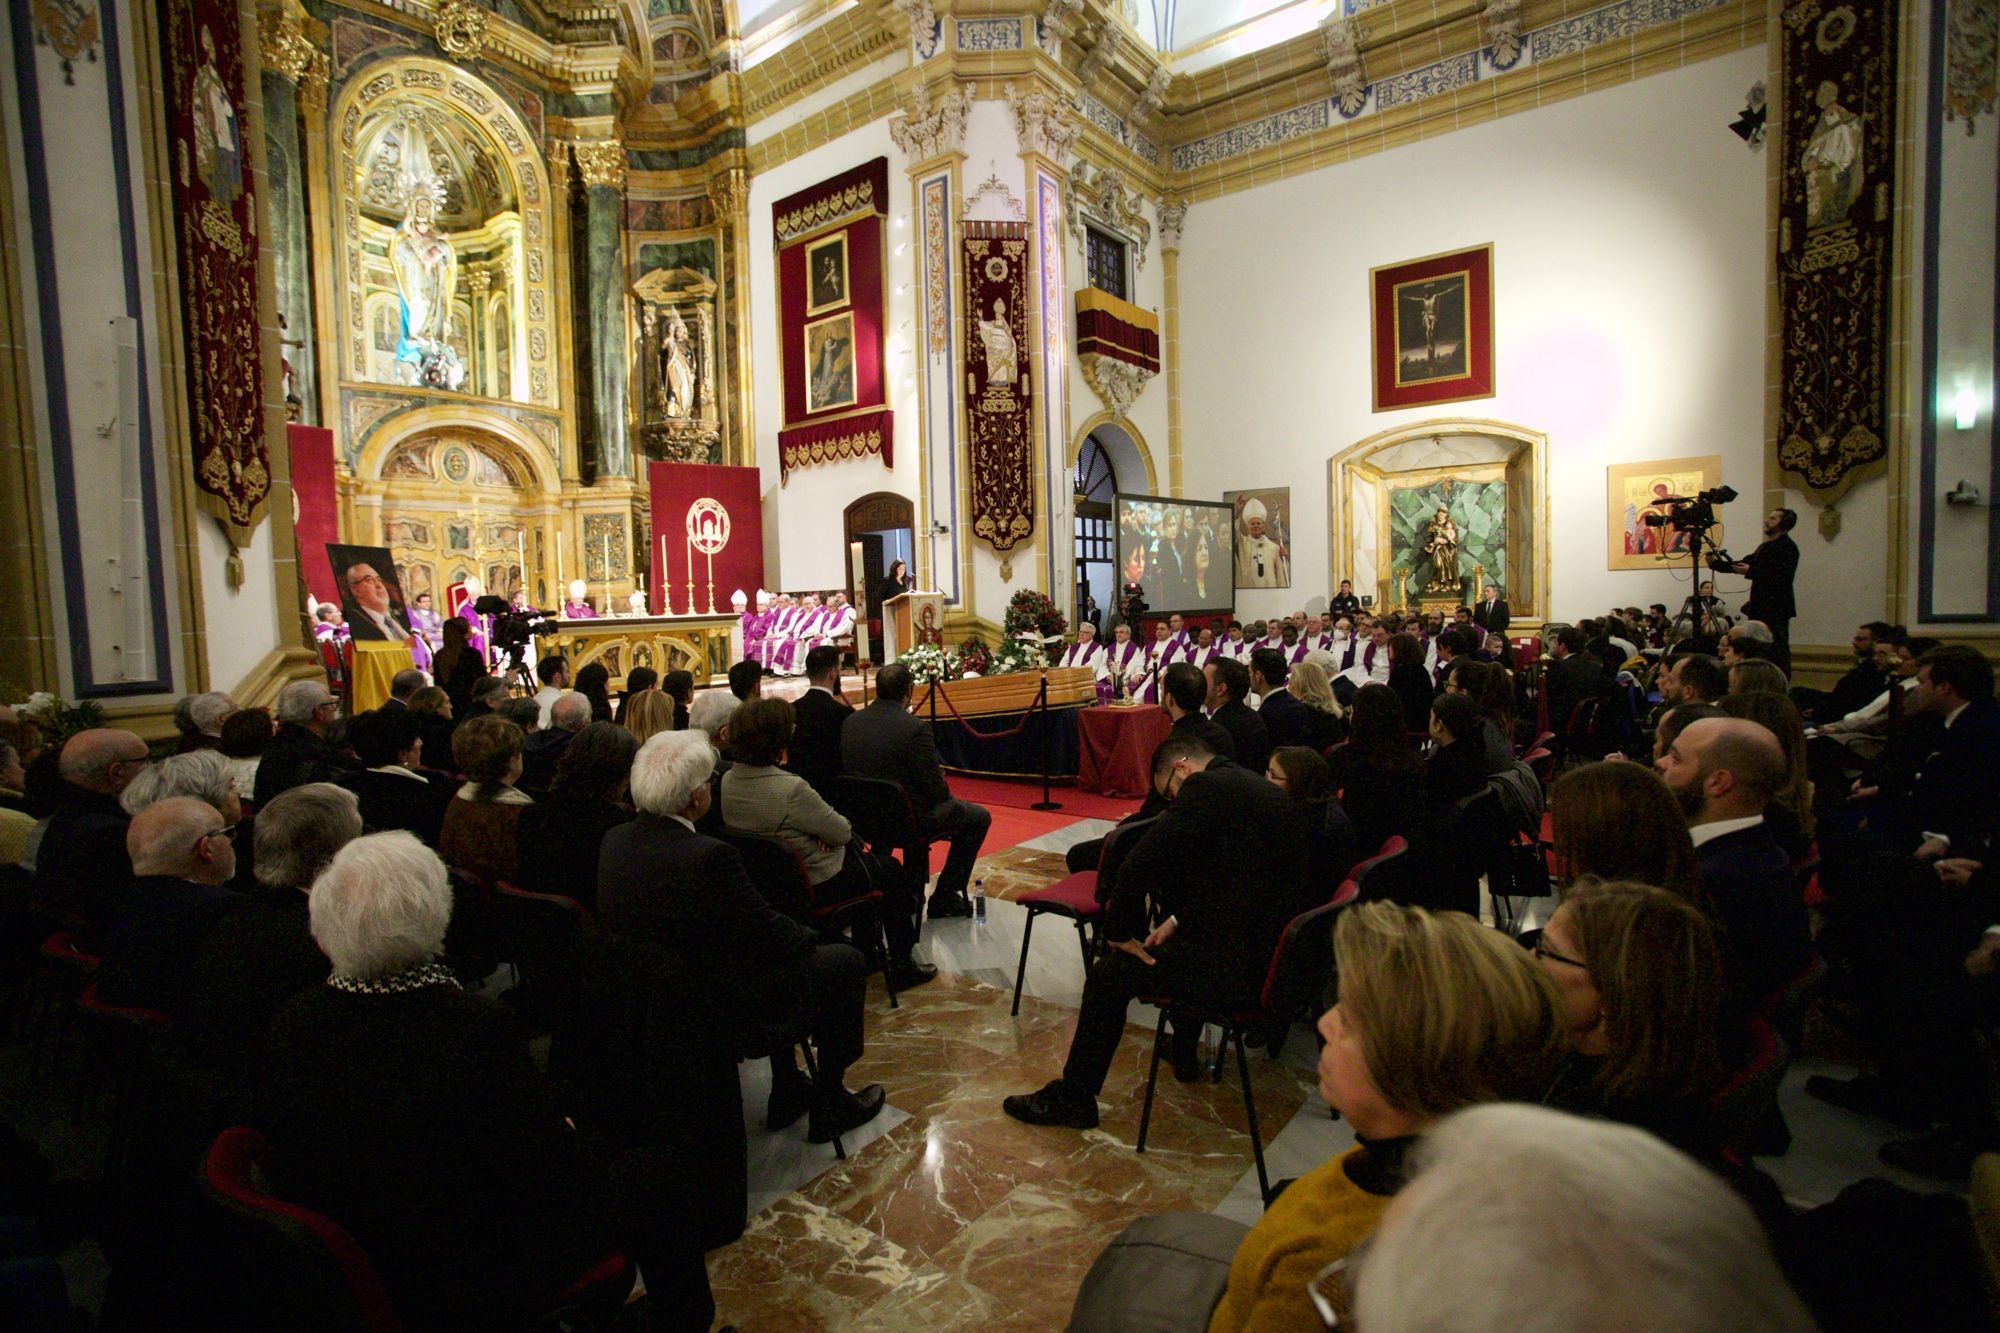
(1441, 545)
(1003, 358)
(677, 371)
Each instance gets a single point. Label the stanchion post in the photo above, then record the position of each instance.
(1047, 735)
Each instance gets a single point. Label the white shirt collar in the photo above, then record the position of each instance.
(1952, 716)
(399, 771)
(823, 690)
(1703, 833)
(684, 822)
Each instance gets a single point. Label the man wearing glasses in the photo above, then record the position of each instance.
(299, 752)
(378, 617)
(182, 855)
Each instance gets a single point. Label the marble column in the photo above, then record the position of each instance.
(729, 197)
(602, 167)
(295, 70)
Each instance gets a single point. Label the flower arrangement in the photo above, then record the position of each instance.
(58, 719)
(929, 663)
(974, 659)
(1031, 612)
(1018, 653)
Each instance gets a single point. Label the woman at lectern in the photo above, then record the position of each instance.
(894, 584)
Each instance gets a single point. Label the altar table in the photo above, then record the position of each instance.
(1115, 745)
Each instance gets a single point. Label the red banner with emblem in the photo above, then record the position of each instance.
(997, 383)
(708, 537)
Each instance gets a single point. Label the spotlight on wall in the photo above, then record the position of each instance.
(936, 529)
(1965, 409)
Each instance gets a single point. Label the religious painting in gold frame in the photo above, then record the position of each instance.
(1432, 329)
(829, 345)
(1634, 490)
(826, 273)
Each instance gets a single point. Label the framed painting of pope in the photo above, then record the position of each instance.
(1263, 536)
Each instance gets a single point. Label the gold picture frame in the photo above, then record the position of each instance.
(1633, 490)
(827, 285)
(829, 363)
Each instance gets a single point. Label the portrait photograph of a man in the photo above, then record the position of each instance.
(370, 596)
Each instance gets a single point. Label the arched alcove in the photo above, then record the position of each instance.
(1492, 476)
(1107, 457)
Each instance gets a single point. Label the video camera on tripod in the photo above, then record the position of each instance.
(513, 626)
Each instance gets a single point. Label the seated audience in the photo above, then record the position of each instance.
(299, 753)
(746, 679)
(402, 685)
(541, 751)
(245, 733)
(1640, 1239)
(485, 696)
(261, 953)
(557, 840)
(1310, 686)
(1790, 814)
(678, 686)
(1462, 757)
(1571, 678)
(1490, 686)
(393, 788)
(1228, 686)
(637, 681)
(410, 1113)
(15, 822)
(885, 740)
(1692, 678)
(183, 853)
(1182, 689)
(593, 682)
(1196, 911)
(436, 719)
(1436, 1013)
(1413, 685)
(478, 833)
(1378, 774)
(1619, 821)
(205, 715)
(765, 800)
(1300, 773)
(1284, 717)
(1866, 679)
(647, 714)
(659, 878)
(817, 717)
(1724, 772)
(552, 669)
(524, 713)
(1641, 981)
(1303, 775)
(81, 867)
(202, 774)
(1756, 674)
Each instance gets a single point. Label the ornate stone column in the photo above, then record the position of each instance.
(294, 74)
(601, 165)
(729, 196)
(1173, 217)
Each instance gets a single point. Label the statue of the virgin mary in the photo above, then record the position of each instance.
(426, 271)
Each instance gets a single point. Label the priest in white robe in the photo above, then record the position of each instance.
(1123, 672)
(1086, 651)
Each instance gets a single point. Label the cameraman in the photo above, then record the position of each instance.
(1770, 570)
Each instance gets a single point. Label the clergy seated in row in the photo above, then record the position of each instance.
(820, 625)
(1125, 667)
(1195, 913)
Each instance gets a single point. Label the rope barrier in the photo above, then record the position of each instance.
(959, 717)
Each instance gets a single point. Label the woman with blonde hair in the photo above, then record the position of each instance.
(1436, 1013)
(1310, 686)
(1619, 820)
(647, 714)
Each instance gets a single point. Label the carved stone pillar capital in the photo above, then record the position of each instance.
(924, 129)
(1042, 123)
(600, 162)
(1172, 212)
(287, 49)
(729, 194)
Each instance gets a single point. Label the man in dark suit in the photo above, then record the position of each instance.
(885, 740)
(1958, 785)
(1344, 602)
(1228, 684)
(1183, 688)
(1724, 771)
(543, 750)
(182, 856)
(1770, 569)
(298, 752)
(1864, 681)
(1285, 718)
(1572, 677)
(402, 685)
(82, 868)
(657, 877)
(395, 791)
(817, 717)
(1220, 869)
(1490, 614)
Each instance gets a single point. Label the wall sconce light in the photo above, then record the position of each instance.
(1965, 409)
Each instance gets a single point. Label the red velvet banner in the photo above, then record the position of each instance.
(708, 537)
(997, 383)
(217, 214)
(315, 508)
(1103, 333)
(831, 317)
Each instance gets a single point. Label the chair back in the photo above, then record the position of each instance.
(1381, 875)
(880, 811)
(472, 940)
(1118, 844)
(536, 928)
(303, 1256)
(1302, 962)
(1743, 1104)
(777, 872)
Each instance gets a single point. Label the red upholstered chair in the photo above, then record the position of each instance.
(782, 878)
(1744, 1105)
(1543, 761)
(1379, 875)
(67, 965)
(118, 1037)
(1079, 897)
(1300, 967)
(535, 934)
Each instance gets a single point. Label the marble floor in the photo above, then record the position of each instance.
(947, 1215)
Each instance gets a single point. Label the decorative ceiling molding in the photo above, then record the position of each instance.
(1153, 97)
(1098, 196)
(924, 27)
(1343, 62)
(1057, 22)
(924, 131)
(1504, 39)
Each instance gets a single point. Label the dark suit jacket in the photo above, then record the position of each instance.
(1251, 738)
(258, 956)
(295, 757)
(1765, 934)
(1343, 604)
(539, 755)
(887, 740)
(1957, 786)
(416, 1121)
(657, 878)
(1285, 720)
(557, 842)
(1492, 617)
(1381, 791)
(82, 867)
(150, 949)
(391, 801)
(815, 754)
(1772, 566)
(1204, 729)
(1569, 681)
(1227, 858)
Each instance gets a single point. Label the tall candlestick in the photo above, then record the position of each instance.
(559, 565)
(690, 559)
(666, 588)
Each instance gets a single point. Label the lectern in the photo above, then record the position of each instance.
(909, 619)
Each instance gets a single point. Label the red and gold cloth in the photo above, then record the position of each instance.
(1107, 326)
(725, 501)
(998, 383)
(831, 320)
(1836, 195)
(316, 520)
(216, 208)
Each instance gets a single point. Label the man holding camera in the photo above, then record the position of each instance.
(1770, 570)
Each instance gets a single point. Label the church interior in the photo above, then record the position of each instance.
(1069, 379)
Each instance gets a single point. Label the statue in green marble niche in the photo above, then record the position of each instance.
(426, 272)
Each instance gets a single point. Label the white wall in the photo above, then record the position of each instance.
(1628, 234)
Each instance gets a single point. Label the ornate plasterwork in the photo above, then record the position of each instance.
(460, 28)
(1972, 48)
(1010, 203)
(600, 162)
(1343, 62)
(729, 195)
(1118, 383)
(1100, 197)
(1153, 97)
(1055, 25)
(1503, 32)
(1095, 59)
(287, 51)
(924, 131)
(1042, 124)
(1172, 212)
(923, 25)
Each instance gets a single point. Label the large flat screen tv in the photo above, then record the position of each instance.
(1181, 553)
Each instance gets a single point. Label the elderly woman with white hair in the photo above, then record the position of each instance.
(199, 718)
(409, 1111)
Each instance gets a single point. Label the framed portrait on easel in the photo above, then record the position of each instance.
(1432, 329)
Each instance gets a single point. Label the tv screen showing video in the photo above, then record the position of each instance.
(1181, 553)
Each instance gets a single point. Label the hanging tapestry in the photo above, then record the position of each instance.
(830, 320)
(217, 211)
(1836, 191)
(997, 387)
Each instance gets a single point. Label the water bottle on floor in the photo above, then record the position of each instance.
(979, 901)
